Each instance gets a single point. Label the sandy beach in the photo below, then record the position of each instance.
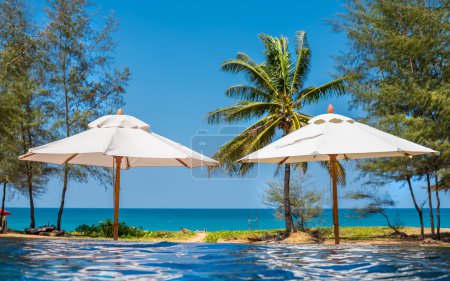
(295, 238)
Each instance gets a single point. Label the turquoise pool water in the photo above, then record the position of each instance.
(207, 219)
(37, 259)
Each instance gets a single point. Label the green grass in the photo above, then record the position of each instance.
(347, 233)
(168, 235)
(350, 233)
(213, 237)
(360, 232)
(146, 236)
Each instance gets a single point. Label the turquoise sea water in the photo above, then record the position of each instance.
(207, 219)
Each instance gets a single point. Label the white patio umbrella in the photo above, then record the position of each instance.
(332, 137)
(121, 142)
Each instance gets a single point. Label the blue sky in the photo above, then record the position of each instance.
(174, 50)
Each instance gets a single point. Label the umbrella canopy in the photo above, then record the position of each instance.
(121, 142)
(5, 213)
(118, 135)
(332, 137)
(329, 134)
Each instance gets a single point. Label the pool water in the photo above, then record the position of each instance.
(48, 259)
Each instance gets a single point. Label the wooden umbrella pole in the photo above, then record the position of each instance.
(118, 160)
(335, 198)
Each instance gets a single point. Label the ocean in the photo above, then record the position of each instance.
(207, 219)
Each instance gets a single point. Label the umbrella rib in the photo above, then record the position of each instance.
(204, 163)
(181, 161)
(364, 129)
(282, 161)
(70, 158)
(28, 155)
(128, 163)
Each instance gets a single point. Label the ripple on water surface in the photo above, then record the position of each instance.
(47, 259)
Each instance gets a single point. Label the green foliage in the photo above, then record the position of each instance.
(399, 54)
(214, 237)
(81, 76)
(24, 104)
(376, 203)
(53, 81)
(273, 98)
(361, 232)
(321, 232)
(80, 65)
(105, 229)
(306, 204)
(168, 235)
(349, 233)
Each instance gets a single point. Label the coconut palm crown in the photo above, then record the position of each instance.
(274, 96)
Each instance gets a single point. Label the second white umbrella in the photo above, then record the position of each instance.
(332, 137)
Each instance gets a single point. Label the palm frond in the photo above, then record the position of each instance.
(245, 92)
(273, 96)
(254, 73)
(340, 171)
(302, 65)
(299, 120)
(241, 111)
(251, 139)
(278, 61)
(314, 94)
(302, 167)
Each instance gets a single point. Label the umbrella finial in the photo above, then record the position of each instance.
(120, 111)
(330, 108)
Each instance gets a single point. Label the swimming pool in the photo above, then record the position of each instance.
(55, 259)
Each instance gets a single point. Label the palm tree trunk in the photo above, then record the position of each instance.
(3, 207)
(430, 205)
(438, 207)
(418, 209)
(290, 227)
(63, 197)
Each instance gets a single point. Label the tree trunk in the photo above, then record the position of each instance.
(63, 196)
(30, 195)
(430, 205)
(393, 227)
(3, 207)
(67, 127)
(290, 227)
(438, 207)
(418, 209)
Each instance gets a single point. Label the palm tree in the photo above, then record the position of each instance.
(274, 96)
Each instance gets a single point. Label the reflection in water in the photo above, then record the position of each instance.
(97, 260)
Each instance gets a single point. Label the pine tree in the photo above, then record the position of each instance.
(20, 79)
(399, 52)
(81, 77)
